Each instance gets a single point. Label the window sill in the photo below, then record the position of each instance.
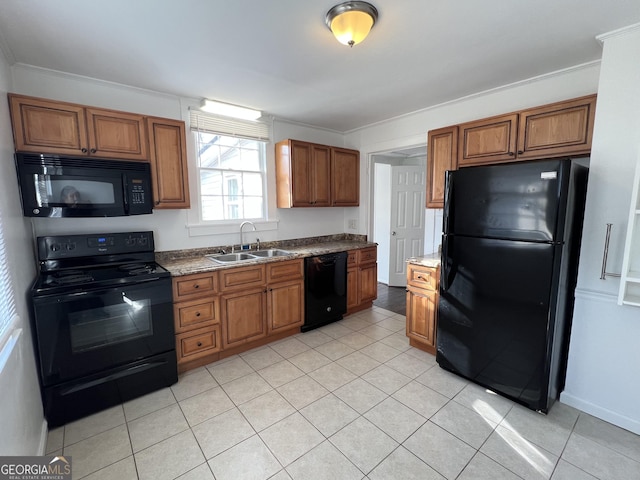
(198, 230)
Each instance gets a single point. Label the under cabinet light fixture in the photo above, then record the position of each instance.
(351, 22)
(229, 110)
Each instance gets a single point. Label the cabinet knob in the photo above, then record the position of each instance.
(197, 314)
(520, 152)
(199, 344)
(196, 286)
(511, 154)
(84, 150)
(420, 277)
(93, 150)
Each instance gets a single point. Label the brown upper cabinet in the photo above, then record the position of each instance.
(51, 127)
(554, 130)
(345, 177)
(46, 126)
(491, 140)
(168, 158)
(314, 175)
(443, 150)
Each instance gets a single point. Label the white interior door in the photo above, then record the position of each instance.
(408, 189)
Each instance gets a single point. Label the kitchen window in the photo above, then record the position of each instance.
(231, 168)
(8, 319)
(231, 172)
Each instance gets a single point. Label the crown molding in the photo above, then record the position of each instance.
(616, 33)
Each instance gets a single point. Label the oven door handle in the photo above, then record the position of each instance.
(95, 291)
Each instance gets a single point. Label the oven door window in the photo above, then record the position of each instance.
(85, 332)
(99, 325)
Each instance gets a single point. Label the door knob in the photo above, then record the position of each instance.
(393, 234)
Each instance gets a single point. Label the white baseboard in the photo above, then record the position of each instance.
(602, 413)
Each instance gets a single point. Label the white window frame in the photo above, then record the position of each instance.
(261, 131)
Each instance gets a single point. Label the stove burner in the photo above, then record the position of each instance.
(70, 278)
(136, 268)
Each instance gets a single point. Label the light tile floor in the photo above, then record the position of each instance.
(351, 400)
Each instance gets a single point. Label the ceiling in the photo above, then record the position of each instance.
(278, 56)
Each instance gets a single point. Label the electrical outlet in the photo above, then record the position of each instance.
(352, 224)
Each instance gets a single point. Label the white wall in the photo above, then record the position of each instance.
(604, 354)
(170, 226)
(23, 428)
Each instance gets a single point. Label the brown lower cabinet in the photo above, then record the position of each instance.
(422, 306)
(362, 278)
(221, 313)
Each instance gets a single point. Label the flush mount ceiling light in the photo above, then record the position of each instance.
(229, 110)
(351, 22)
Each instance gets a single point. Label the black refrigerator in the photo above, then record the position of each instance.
(511, 239)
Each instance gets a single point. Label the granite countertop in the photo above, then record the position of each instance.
(187, 262)
(430, 260)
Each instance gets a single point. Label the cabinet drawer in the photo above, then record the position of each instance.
(242, 277)
(196, 314)
(280, 271)
(422, 277)
(198, 285)
(367, 255)
(198, 343)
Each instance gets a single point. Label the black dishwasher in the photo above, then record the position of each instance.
(325, 284)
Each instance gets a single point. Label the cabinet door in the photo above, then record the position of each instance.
(368, 282)
(320, 176)
(490, 140)
(116, 134)
(442, 156)
(564, 128)
(44, 126)
(243, 317)
(168, 157)
(345, 177)
(421, 315)
(285, 306)
(300, 181)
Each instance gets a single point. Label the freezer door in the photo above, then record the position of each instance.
(518, 201)
(494, 313)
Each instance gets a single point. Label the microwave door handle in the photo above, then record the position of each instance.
(125, 193)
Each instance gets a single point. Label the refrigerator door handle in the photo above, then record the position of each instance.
(445, 265)
(446, 216)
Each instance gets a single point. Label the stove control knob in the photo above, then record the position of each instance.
(142, 240)
(55, 247)
(71, 246)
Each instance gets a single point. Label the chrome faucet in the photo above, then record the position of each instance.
(241, 227)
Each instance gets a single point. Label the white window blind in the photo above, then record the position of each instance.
(7, 304)
(252, 130)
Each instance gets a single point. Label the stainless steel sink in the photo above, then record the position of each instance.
(239, 257)
(231, 257)
(272, 252)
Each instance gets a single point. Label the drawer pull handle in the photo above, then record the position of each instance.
(420, 277)
(196, 286)
(197, 314)
(199, 344)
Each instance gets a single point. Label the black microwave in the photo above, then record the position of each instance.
(57, 186)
